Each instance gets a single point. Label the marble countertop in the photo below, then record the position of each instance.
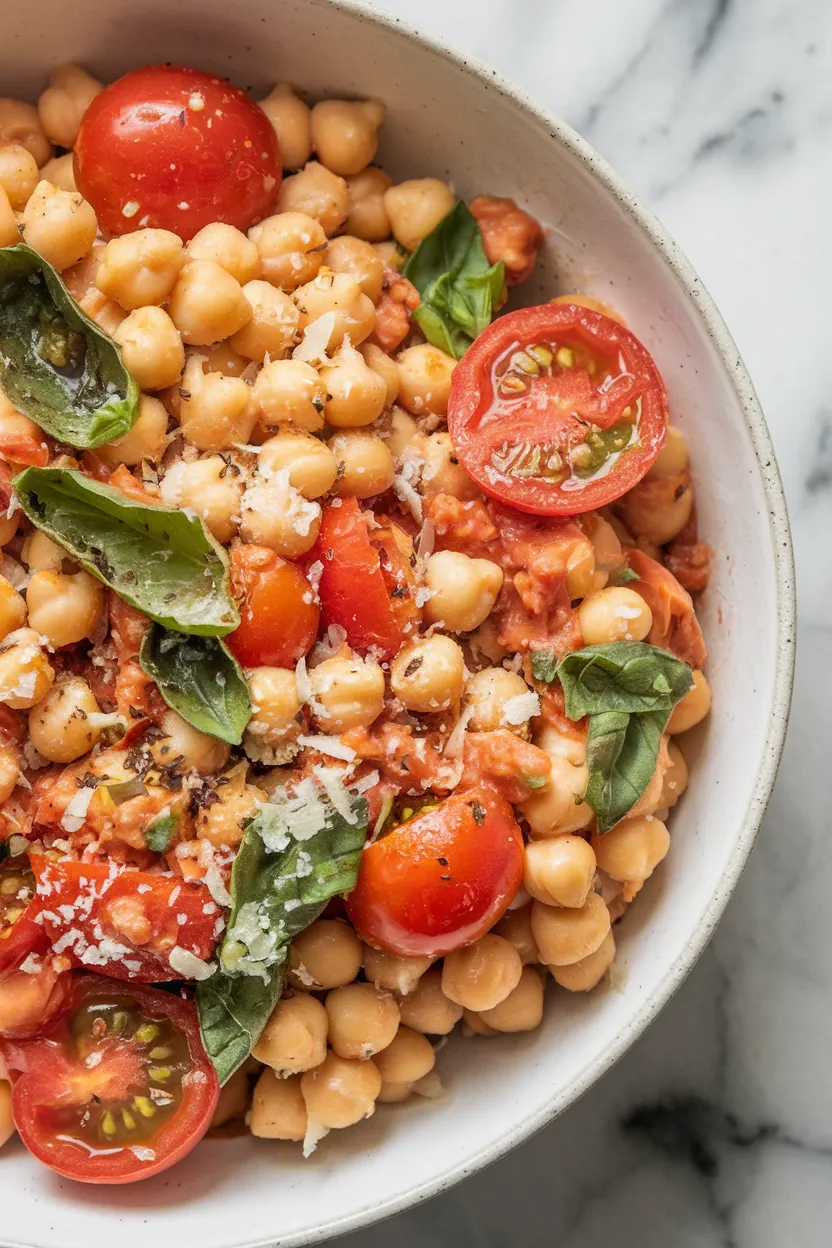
(715, 1131)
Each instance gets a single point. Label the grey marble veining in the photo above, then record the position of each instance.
(715, 1131)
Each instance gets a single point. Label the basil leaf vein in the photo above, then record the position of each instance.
(161, 561)
(56, 365)
(200, 679)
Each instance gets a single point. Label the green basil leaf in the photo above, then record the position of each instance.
(623, 576)
(458, 288)
(158, 835)
(544, 665)
(163, 562)
(200, 679)
(629, 676)
(279, 885)
(621, 753)
(56, 365)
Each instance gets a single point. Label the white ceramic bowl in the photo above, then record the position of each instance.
(459, 120)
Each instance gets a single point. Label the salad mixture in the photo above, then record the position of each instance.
(346, 629)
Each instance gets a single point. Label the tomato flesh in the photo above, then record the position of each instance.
(442, 879)
(278, 615)
(176, 149)
(675, 626)
(557, 410)
(117, 1088)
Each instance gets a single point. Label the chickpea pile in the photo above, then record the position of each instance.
(266, 392)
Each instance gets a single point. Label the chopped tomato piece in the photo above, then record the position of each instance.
(675, 626)
(19, 934)
(508, 234)
(278, 615)
(399, 297)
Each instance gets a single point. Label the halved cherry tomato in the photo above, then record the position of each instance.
(440, 880)
(118, 1088)
(122, 921)
(278, 615)
(358, 589)
(557, 410)
(675, 626)
(176, 149)
(19, 934)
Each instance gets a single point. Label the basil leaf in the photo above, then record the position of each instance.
(161, 561)
(276, 893)
(158, 834)
(623, 576)
(621, 753)
(458, 288)
(56, 365)
(200, 679)
(544, 665)
(629, 676)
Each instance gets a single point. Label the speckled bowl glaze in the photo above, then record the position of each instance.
(458, 119)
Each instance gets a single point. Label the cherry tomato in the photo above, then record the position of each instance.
(117, 1088)
(176, 149)
(442, 879)
(278, 615)
(675, 626)
(122, 921)
(360, 587)
(32, 997)
(19, 934)
(557, 410)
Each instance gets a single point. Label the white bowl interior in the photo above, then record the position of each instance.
(444, 120)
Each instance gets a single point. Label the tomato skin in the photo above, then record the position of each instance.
(106, 905)
(404, 901)
(47, 1074)
(278, 615)
(29, 1000)
(675, 626)
(353, 590)
(179, 149)
(555, 409)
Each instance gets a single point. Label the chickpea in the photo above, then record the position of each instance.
(70, 92)
(207, 303)
(64, 609)
(221, 357)
(68, 722)
(383, 364)
(278, 1111)
(481, 975)
(607, 550)
(80, 281)
(650, 800)
(427, 1009)
(442, 472)
(473, 1024)
(363, 1020)
(278, 516)
(672, 458)
(488, 692)
(559, 871)
(59, 225)
(522, 1009)
(18, 174)
(557, 807)
(564, 936)
(427, 674)
(675, 778)
(212, 487)
(325, 955)
(8, 222)
(348, 692)
(367, 216)
(26, 675)
(589, 971)
(294, 1038)
(218, 411)
(408, 1057)
(463, 590)
(276, 720)
(341, 1091)
(8, 526)
(223, 824)
(9, 771)
(312, 465)
(345, 133)
(694, 706)
(19, 123)
(516, 927)
(60, 171)
(228, 247)
(151, 348)
(235, 1098)
(365, 465)
(273, 328)
(632, 850)
(355, 394)
(292, 123)
(289, 392)
(12, 608)
(291, 247)
(39, 551)
(340, 293)
(416, 207)
(318, 193)
(141, 268)
(425, 379)
(615, 614)
(396, 974)
(391, 255)
(657, 509)
(7, 1127)
(580, 570)
(195, 749)
(357, 258)
(403, 433)
(393, 1093)
(147, 439)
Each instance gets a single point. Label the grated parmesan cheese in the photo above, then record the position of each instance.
(312, 349)
(331, 746)
(75, 814)
(521, 707)
(188, 965)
